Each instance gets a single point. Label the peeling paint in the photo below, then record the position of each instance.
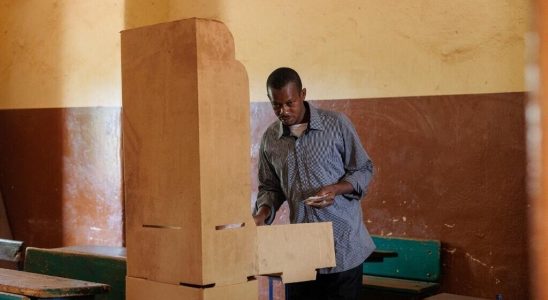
(449, 225)
(476, 260)
(451, 251)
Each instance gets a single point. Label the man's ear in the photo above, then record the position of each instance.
(303, 93)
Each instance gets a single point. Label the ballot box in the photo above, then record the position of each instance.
(186, 160)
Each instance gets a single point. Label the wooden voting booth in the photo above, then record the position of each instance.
(186, 148)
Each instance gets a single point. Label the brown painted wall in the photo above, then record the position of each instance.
(447, 167)
(60, 175)
(450, 168)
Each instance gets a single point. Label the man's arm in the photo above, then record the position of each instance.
(358, 166)
(270, 196)
(262, 215)
(329, 192)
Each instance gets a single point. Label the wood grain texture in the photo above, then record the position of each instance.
(186, 154)
(44, 286)
(295, 251)
(446, 296)
(140, 289)
(88, 263)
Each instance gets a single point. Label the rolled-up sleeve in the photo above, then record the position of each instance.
(357, 163)
(270, 193)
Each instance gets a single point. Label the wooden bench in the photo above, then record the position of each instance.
(23, 285)
(413, 273)
(11, 254)
(90, 263)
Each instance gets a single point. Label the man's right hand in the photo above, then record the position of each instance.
(262, 214)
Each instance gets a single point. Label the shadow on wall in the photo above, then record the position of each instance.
(60, 175)
(31, 175)
(59, 167)
(31, 146)
(139, 13)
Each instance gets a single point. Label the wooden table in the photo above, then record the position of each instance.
(38, 286)
(446, 296)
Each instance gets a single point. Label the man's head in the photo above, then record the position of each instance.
(284, 89)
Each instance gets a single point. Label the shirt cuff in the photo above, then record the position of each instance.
(357, 194)
(270, 217)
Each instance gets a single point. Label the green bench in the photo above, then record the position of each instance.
(11, 254)
(7, 296)
(89, 263)
(413, 272)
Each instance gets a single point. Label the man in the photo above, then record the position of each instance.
(313, 158)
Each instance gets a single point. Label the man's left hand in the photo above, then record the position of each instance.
(328, 193)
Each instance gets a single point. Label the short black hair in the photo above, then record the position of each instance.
(282, 76)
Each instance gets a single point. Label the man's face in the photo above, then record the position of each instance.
(288, 103)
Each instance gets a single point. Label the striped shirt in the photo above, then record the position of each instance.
(294, 169)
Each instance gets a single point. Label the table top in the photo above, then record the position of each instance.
(446, 296)
(45, 286)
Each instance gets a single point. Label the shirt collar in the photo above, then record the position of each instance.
(315, 123)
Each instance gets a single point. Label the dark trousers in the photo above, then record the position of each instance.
(344, 286)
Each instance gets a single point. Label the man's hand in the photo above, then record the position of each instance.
(261, 215)
(328, 193)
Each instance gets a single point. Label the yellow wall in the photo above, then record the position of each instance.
(60, 53)
(66, 53)
(360, 49)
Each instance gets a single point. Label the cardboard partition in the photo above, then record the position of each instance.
(161, 254)
(186, 163)
(295, 251)
(141, 289)
(186, 154)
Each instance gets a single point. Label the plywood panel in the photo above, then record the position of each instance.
(186, 148)
(295, 251)
(186, 157)
(160, 140)
(140, 289)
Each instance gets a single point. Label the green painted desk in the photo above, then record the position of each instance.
(90, 263)
(38, 286)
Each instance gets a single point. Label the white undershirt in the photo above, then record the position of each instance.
(298, 129)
